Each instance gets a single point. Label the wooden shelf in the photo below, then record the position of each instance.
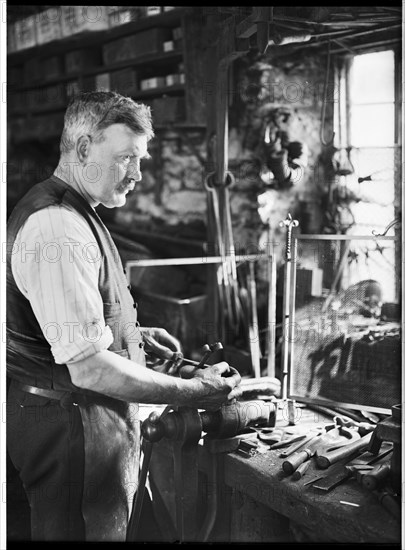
(157, 60)
(146, 65)
(166, 90)
(88, 39)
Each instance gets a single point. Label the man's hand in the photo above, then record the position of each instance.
(216, 384)
(164, 353)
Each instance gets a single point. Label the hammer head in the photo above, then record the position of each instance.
(216, 346)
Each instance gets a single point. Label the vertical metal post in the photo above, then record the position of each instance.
(289, 223)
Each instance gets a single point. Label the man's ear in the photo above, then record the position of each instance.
(82, 148)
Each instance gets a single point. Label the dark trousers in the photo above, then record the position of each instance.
(46, 446)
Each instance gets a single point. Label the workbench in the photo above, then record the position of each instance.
(256, 501)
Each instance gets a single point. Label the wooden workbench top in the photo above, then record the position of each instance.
(261, 477)
(348, 513)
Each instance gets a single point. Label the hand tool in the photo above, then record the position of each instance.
(209, 350)
(340, 472)
(333, 438)
(363, 427)
(300, 471)
(190, 367)
(337, 475)
(295, 447)
(326, 458)
(286, 442)
(378, 475)
(296, 459)
(392, 503)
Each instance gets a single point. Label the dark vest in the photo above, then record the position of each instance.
(29, 357)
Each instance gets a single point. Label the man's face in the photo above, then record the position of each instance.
(113, 165)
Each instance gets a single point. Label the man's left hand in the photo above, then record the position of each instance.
(164, 353)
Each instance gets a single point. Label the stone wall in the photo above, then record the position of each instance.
(171, 196)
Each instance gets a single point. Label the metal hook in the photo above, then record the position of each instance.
(322, 130)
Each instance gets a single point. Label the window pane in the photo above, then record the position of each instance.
(373, 78)
(372, 125)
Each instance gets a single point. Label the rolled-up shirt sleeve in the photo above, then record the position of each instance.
(56, 266)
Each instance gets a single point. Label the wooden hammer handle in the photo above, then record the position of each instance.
(325, 460)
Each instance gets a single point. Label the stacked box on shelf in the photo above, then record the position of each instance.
(97, 82)
(124, 81)
(11, 42)
(52, 67)
(133, 46)
(32, 71)
(102, 82)
(77, 61)
(77, 19)
(168, 109)
(17, 126)
(48, 97)
(49, 25)
(15, 101)
(72, 89)
(148, 11)
(46, 125)
(122, 15)
(14, 76)
(152, 83)
(25, 33)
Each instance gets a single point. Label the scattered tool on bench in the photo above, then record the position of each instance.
(326, 457)
(360, 467)
(333, 438)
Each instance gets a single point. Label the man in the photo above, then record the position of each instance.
(75, 350)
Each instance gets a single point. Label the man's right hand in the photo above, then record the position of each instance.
(216, 384)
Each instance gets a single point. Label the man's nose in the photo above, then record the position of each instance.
(134, 171)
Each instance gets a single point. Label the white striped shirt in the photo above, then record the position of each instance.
(55, 264)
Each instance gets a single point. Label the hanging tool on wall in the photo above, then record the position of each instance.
(324, 101)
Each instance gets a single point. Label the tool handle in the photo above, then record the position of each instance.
(325, 460)
(391, 503)
(374, 479)
(300, 471)
(295, 460)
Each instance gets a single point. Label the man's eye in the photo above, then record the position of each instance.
(126, 158)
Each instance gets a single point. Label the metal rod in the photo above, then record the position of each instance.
(271, 314)
(189, 261)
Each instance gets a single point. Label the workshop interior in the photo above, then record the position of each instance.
(266, 232)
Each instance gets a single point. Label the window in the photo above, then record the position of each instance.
(367, 120)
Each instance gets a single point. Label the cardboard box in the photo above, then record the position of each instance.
(133, 46)
(52, 67)
(49, 25)
(32, 71)
(72, 89)
(77, 19)
(103, 82)
(168, 109)
(77, 61)
(168, 46)
(122, 16)
(25, 33)
(11, 42)
(124, 81)
(151, 83)
(172, 79)
(148, 11)
(14, 76)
